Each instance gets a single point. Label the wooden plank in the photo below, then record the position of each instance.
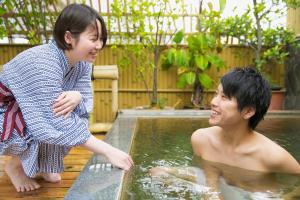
(61, 184)
(77, 161)
(69, 175)
(6, 191)
(73, 168)
(74, 163)
(32, 198)
(65, 183)
(78, 156)
(79, 151)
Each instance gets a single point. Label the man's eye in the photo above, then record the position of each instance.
(224, 97)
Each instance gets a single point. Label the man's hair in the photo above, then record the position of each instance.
(250, 89)
(75, 18)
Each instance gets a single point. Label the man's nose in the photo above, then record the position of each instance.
(213, 102)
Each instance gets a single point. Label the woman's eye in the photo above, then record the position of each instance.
(94, 38)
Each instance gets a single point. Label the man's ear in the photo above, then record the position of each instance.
(248, 112)
(68, 38)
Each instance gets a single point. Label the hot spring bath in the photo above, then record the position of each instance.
(162, 138)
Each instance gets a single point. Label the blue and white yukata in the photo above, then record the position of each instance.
(36, 77)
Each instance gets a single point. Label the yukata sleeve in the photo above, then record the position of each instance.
(35, 86)
(84, 86)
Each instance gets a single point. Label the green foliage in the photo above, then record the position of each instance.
(201, 53)
(32, 18)
(162, 102)
(222, 4)
(194, 61)
(276, 40)
(239, 27)
(178, 37)
(293, 3)
(143, 26)
(268, 43)
(3, 30)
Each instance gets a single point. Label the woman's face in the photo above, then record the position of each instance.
(87, 45)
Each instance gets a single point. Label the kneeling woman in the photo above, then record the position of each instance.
(45, 98)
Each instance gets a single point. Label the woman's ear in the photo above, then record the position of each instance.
(248, 112)
(68, 38)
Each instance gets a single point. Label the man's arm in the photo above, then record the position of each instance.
(212, 175)
(199, 141)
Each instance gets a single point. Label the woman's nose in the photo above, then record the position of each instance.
(99, 44)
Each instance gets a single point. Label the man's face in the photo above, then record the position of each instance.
(224, 110)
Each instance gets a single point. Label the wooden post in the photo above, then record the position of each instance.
(293, 20)
(106, 72)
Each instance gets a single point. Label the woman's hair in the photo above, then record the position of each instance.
(250, 89)
(75, 18)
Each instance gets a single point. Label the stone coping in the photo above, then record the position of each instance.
(99, 180)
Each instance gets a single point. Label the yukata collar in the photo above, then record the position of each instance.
(66, 66)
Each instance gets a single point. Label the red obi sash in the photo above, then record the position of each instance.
(13, 118)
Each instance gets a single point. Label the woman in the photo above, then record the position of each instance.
(46, 96)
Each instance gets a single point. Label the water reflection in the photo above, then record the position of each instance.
(236, 183)
(160, 146)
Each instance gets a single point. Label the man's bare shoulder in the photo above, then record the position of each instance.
(275, 157)
(201, 138)
(204, 134)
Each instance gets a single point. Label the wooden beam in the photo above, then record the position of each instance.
(110, 72)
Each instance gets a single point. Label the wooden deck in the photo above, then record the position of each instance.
(74, 163)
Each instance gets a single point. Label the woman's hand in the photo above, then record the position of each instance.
(119, 158)
(114, 155)
(66, 103)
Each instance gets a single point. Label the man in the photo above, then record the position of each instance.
(240, 102)
(237, 160)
